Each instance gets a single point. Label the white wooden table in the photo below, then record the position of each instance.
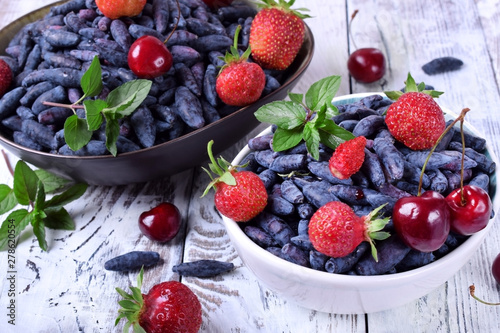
(67, 289)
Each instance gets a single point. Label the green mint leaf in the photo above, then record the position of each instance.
(140, 88)
(322, 92)
(311, 137)
(286, 115)
(332, 134)
(112, 133)
(320, 117)
(284, 139)
(393, 95)
(93, 109)
(297, 98)
(40, 197)
(58, 219)
(25, 183)
(39, 228)
(76, 132)
(331, 111)
(71, 194)
(121, 110)
(91, 81)
(19, 219)
(51, 182)
(7, 199)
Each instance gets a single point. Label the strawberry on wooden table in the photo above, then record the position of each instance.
(239, 82)
(168, 307)
(276, 34)
(415, 119)
(239, 195)
(5, 77)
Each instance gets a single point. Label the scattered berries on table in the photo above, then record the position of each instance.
(442, 65)
(336, 230)
(161, 223)
(239, 195)
(277, 34)
(168, 307)
(239, 82)
(132, 260)
(415, 119)
(5, 77)
(348, 158)
(115, 9)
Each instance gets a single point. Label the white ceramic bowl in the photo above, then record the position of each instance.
(347, 294)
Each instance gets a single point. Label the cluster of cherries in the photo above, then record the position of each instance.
(424, 221)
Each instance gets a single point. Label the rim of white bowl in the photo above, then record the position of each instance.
(463, 250)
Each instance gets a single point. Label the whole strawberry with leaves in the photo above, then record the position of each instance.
(239, 82)
(168, 307)
(5, 77)
(415, 119)
(277, 34)
(239, 195)
(335, 230)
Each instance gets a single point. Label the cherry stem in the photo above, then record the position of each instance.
(472, 289)
(7, 162)
(176, 22)
(462, 198)
(459, 118)
(350, 30)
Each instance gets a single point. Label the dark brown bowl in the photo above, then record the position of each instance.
(162, 160)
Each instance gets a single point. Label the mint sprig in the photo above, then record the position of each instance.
(30, 188)
(120, 103)
(310, 120)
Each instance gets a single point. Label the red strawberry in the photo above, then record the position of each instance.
(5, 77)
(117, 8)
(348, 157)
(335, 230)
(168, 307)
(239, 196)
(276, 34)
(239, 82)
(415, 119)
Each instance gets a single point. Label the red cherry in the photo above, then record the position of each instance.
(366, 65)
(422, 222)
(148, 57)
(161, 223)
(217, 3)
(472, 215)
(495, 268)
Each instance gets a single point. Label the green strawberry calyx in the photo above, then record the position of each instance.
(220, 167)
(233, 56)
(411, 86)
(374, 226)
(131, 306)
(284, 6)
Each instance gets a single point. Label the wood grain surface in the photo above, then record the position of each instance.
(67, 289)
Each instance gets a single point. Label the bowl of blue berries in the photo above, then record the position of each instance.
(369, 219)
(117, 100)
